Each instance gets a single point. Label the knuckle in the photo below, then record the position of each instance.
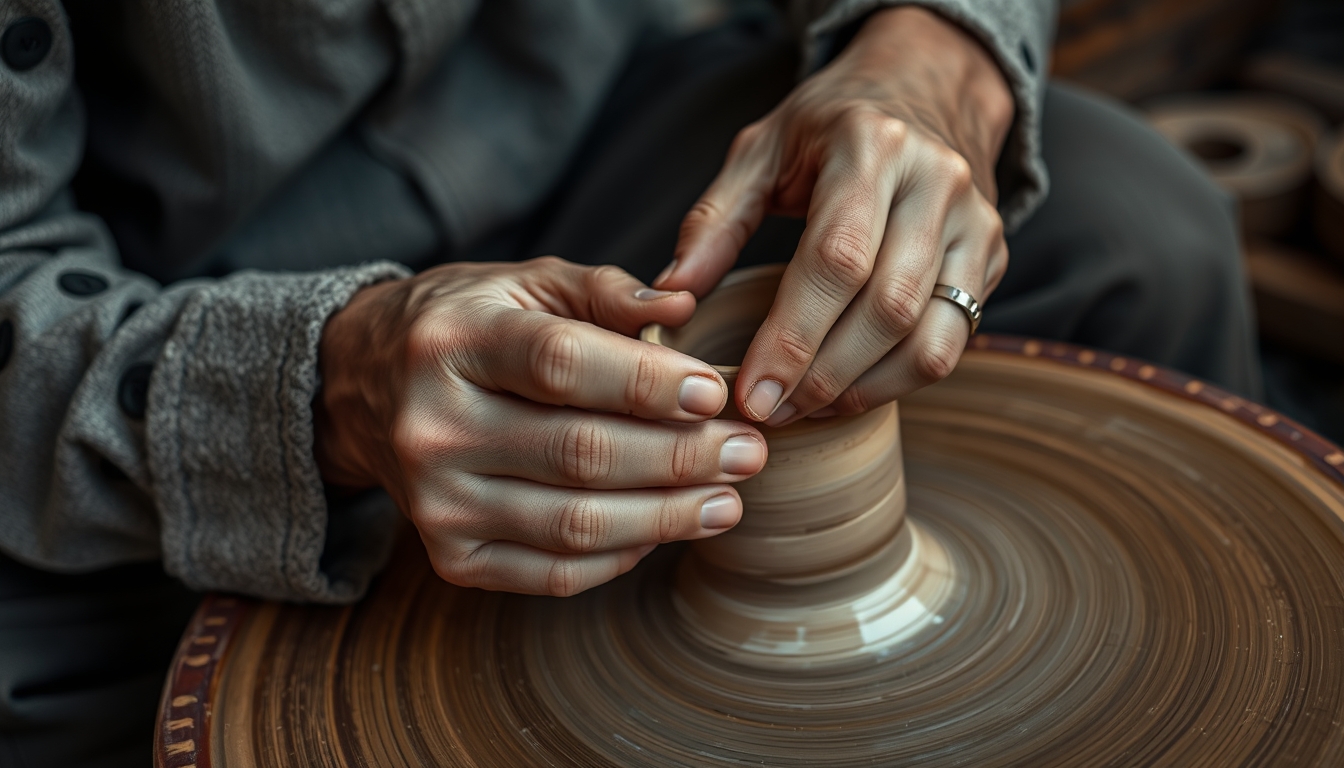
(465, 569)
(549, 261)
(897, 305)
(643, 383)
(952, 166)
(892, 132)
(821, 386)
(416, 442)
(854, 400)
(844, 263)
(706, 212)
(995, 222)
(586, 453)
(564, 578)
(667, 520)
(878, 129)
(935, 360)
(556, 360)
(579, 525)
(744, 140)
(685, 458)
(608, 273)
(792, 349)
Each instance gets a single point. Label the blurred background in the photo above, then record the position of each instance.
(1255, 90)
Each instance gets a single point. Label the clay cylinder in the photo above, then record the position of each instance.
(823, 567)
(832, 493)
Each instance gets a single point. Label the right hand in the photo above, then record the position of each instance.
(535, 447)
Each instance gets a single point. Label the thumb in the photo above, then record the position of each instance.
(718, 226)
(611, 298)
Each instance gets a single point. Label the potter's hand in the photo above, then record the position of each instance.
(464, 393)
(889, 152)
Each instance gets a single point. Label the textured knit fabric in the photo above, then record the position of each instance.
(154, 401)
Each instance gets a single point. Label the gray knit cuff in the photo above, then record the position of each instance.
(230, 433)
(1016, 32)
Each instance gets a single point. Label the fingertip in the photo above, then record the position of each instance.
(702, 396)
(761, 399)
(720, 512)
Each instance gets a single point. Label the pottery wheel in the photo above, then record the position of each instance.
(1144, 570)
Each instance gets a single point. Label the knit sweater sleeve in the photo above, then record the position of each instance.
(143, 422)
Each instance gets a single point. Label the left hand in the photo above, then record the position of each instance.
(889, 152)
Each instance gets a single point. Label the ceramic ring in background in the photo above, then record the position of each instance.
(962, 299)
(1257, 147)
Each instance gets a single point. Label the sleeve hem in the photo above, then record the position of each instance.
(230, 434)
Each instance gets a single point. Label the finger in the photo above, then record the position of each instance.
(558, 361)
(606, 296)
(949, 217)
(928, 354)
(835, 257)
(580, 449)
(507, 566)
(577, 522)
(886, 309)
(725, 217)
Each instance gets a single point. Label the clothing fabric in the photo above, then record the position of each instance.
(155, 395)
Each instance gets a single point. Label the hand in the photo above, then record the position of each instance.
(535, 448)
(889, 152)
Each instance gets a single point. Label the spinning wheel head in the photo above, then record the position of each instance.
(1116, 564)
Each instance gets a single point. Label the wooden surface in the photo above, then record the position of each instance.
(1152, 572)
(1134, 49)
(1299, 299)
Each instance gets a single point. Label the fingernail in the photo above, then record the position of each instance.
(741, 455)
(764, 398)
(822, 413)
(648, 294)
(781, 415)
(720, 512)
(700, 395)
(666, 273)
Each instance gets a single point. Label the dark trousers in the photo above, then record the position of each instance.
(1134, 250)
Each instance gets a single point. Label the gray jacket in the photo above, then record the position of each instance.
(155, 386)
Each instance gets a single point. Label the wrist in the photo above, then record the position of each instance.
(356, 360)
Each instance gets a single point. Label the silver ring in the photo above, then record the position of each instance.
(962, 299)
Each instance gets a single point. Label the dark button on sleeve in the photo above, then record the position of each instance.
(6, 342)
(81, 283)
(25, 43)
(130, 309)
(133, 391)
(1027, 58)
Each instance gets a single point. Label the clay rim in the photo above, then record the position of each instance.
(182, 733)
(653, 334)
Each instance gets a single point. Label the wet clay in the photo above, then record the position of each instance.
(824, 565)
(1144, 570)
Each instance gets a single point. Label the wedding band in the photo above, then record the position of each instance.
(962, 299)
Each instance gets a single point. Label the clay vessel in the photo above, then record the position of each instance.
(823, 566)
